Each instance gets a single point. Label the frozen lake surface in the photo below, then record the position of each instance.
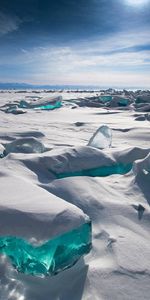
(49, 171)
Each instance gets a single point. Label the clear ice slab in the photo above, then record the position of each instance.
(102, 138)
(25, 145)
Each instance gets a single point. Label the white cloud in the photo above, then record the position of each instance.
(137, 2)
(61, 60)
(105, 62)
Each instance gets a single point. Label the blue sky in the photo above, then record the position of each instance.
(85, 42)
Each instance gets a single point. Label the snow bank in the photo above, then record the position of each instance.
(142, 165)
(32, 213)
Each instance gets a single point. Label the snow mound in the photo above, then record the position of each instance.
(78, 161)
(141, 180)
(130, 155)
(66, 161)
(86, 158)
(32, 213)
(142, 166)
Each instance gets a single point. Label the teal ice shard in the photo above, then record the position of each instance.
(40, 233)
(123, 102)
(51, 257)
(46, 103)
(102, 138)
(105, 98)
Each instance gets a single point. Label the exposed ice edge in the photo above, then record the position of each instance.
(51, 257)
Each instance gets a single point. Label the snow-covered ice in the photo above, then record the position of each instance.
(51, 182)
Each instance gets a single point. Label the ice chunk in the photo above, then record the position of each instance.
(123, 102)
(105, 98)
(145, 98)
(15, 110)
(2, 149)
(147, 116)
(41, 233)
(25, 145)
(143, 117)
(51, 257)
(12, 108)
(46, 103)
(102, 138)
(120, 101)
(49, 106)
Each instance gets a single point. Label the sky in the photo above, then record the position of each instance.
(75, 42)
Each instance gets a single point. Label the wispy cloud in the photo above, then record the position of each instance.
(127, 52)
(122, 59)
(8, 23)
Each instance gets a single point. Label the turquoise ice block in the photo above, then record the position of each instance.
(51, 257)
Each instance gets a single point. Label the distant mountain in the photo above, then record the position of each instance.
(8, 86)
(24, 86)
